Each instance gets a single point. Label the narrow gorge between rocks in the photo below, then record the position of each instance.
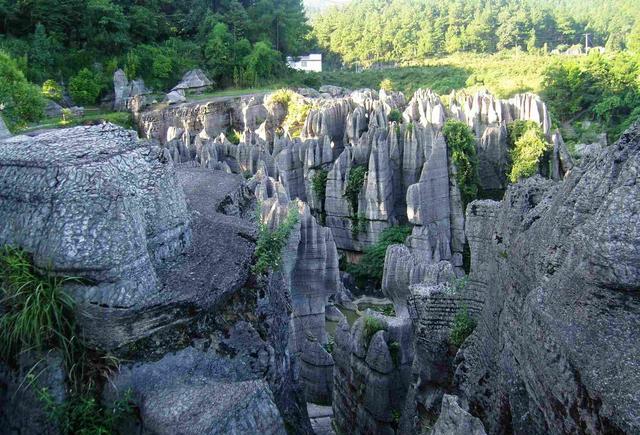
(227, 278)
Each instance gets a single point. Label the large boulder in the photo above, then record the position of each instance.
(194, 81)
(190, 323)
(454, 420)
(559, 265)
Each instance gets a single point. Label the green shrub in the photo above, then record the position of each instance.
(371, 266)
(233, 135)
(395, 116)
(463, 326)
(462, 145)
(52, 90)
(529, 146)
(355, 181)
(319, 184)
(20, 101)
(387, 85)
(272, 242)
(85, 87)
(38, 313)
(82, 414)
(371, 326)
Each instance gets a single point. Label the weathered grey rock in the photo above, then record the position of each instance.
(21, 409)
(334, 91)
(207, 119)
(53, 109)
(194, 81)
(493, 158)
(561, 161)
(371, 375)
(110, 230)
(4, 131)
(175, 97)
(454, 420)
(428, 207)
(125, 91)
(194, 329)
(316, 372)
(559, 265)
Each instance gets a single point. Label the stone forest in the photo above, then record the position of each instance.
(319, 259)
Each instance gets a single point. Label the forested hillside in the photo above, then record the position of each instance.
(237, 42)
(409, 30)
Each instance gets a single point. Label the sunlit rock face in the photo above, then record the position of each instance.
(399, 144)
(558, 263)
(310, 264)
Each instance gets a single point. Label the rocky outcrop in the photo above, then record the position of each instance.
(194, 81)
(454, 420)
(158, 287)
(371, 375)
(558, 263)
(310, 264)
(125, 90)
(4, 131)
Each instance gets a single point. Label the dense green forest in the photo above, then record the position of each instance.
(410, 30)
(237, 42)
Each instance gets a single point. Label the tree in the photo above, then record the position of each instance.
(85, 87)
(262, 63)
(633, 39)
(52, 90)
(21, 102)
(218, 51)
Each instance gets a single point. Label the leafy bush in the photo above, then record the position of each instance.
(387, 85)
(529, 146)
(233, 135)
(371, 326)
(371, 266)
(82, 414)
(462, 144)
(297, 113)
(272, 242)
(85, 87)
(463, 326)
(395, 116)
(319, 184)
(355, 181)
(20, 101)
(38, 313)
(52, 90)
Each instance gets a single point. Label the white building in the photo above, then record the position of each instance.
(312, 62)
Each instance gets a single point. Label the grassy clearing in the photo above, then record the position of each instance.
(504, 74)
(91, 116)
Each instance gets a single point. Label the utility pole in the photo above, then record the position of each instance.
(586, 42)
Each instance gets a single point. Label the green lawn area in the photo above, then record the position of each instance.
(232, 92)
(92, 115)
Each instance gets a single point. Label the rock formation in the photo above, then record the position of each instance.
(125, 90)
(558, 263)
(371, 375)
(312, 275)
(159, 289)
(193, 81)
